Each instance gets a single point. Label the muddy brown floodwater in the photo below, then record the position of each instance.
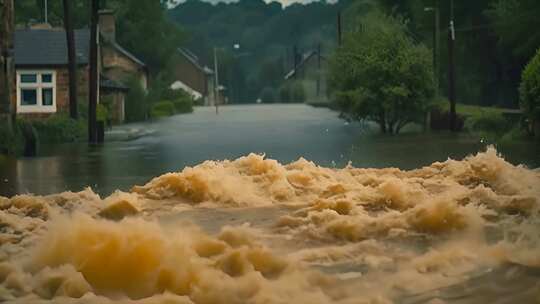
(252, 230)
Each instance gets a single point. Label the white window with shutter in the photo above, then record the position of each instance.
(36, 91)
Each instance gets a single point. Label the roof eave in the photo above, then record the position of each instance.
(46, 65)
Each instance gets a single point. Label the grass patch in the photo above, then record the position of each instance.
(488, 123)
(468, 110)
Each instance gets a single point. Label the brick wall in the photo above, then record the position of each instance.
(62, 88)
(118, 67)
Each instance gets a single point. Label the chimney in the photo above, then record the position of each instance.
(107, 25)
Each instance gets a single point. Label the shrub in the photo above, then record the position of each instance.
(102, 112)
(297, 93)
(82, 107)
(162, 109)
(516, 133)
(380, 74)
(269, 95)
(489, 123)
(159, 92)
(529, 92)
(183, 105)
(284, 93)
(59, 128)
(293, 92)
(137, 105)
(11, 143)
(183, 102)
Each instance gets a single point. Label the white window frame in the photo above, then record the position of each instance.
(38, 86)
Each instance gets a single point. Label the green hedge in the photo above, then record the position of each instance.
(183, 105)
(163, 109)
(59, 128)
(292, 92)
(180, 105)
(11, 142)
(489, 123)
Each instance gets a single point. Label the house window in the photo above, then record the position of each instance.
(36, 92)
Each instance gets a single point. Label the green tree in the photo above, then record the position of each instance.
(145, 30)
(380, 74)
(530, 93)
(137, 105)
(514, 21)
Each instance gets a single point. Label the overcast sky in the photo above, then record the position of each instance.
(284, 2)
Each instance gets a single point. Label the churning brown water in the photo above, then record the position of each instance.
(256, 231)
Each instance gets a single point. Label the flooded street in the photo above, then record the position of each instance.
(269, 152)
(296, 226)
(282, 132)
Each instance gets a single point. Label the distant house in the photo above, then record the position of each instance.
(193, 77)
(41, 64)
(310, 69)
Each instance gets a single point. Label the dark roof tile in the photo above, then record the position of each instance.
(36, 47)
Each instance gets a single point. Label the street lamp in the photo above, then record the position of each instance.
(46, 11)
(236, 46)
(216, 80)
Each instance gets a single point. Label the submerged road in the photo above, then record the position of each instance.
(282, 132)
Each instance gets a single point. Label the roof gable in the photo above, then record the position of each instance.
(306, 59)
(37, 47)
(194, 60)
(124, 52)
(48, 47)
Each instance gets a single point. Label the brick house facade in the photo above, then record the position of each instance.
(42, 81)
(189, 71)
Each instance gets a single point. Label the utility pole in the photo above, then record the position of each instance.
(46, 11)
(339, 28)
(93, 83)
(318, 69)
(437, 37)
(451, 69)
(216, 85)
(436, 42)
(295, 60)
(72, 60)
(7, 68)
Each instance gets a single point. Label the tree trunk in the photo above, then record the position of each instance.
(452, 74)
(382, 122)
(7, 68)
(72, 60)
(93, 83)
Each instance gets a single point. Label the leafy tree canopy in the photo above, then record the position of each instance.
(530, 92)
(381, 74)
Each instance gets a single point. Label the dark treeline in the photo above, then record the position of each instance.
(494, 41)
(266, 34)
(495, 38)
